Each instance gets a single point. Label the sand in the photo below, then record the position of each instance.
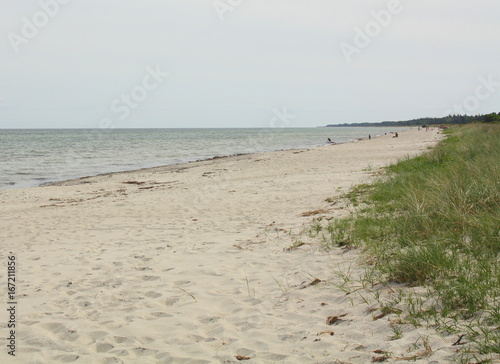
(189, 264)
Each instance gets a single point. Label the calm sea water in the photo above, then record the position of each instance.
(37, 156)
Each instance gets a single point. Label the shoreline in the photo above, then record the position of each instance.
(180, 164)
(191, 263)
(37, 182)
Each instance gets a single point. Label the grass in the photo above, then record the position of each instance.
(251, 290)
(189, 294)
(434, 221)
(280, 284)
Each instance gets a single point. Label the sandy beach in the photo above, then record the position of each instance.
(189, 264)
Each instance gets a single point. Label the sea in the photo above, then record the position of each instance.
(34, 157)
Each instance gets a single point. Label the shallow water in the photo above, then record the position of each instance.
(30, 157)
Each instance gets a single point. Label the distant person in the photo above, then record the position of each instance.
(395, 135)
(369, 136)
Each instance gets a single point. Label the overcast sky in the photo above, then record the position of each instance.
(244, 63)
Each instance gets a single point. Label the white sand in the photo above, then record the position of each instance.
(189, 265)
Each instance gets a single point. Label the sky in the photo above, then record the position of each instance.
(244, 63)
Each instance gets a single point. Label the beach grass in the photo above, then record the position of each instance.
(434, 221)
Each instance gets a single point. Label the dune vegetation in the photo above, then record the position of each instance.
(434, 221)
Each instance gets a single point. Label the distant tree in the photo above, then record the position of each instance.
(448, 120)
(489, 118)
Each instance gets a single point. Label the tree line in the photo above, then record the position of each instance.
(447, 120)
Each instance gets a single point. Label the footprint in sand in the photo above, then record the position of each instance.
(142, 268)
(181, 283)
(188, 340)
(152, 294)
(209, 320)
(114, 360)
(29, 323)
(170, 301)
(161, 314)
(150, 278)
(140, 351)
(121, 352)
(41, 341)
(142, 258)
(61, 331)
(119, 339)
(146, 340)
(98, 334)
(104, 347)
(67, 358)
(31, 350)
(276, 357)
